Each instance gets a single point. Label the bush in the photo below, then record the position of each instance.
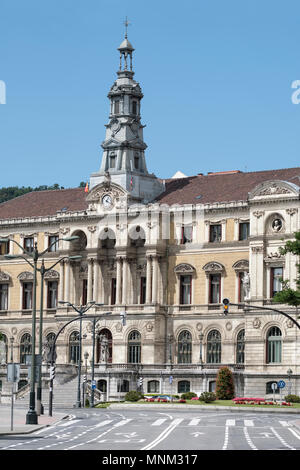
(87, 403)
(207, 397)
(292, 398)
(188, 395)
(133, 395)
(224, 384)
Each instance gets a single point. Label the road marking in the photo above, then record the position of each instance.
(122, 423)
(158, 422)
(194, 422)
(282, 440)
(284, 423)
(230, 422)
(248, 422)
(295, 433)
(163, 435)
(253, 447)
(68, 423)
(226, 438)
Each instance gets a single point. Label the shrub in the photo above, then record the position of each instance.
(188, 395)
(133, 395)
(224, 384)
(292, 398)
(207, 397)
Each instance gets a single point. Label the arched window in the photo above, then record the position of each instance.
(153, 386)
(102, 386)
(134, 347)
(25, 347)
(240, 347)
(184, 386)
(269, 388)
(214, 347)
(185, 347)
(74, 347)
(274, 342)
(123, 385)
(104, 346)
(107, 238)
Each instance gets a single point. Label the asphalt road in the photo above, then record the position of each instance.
(158, 430)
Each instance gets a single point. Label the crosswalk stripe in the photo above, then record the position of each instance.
(194, 422)
(248, 422)
(230, 422)
(158, 422)
(122, 423)
(284, 423)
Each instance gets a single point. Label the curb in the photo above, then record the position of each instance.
(29, 428)
(262, 409)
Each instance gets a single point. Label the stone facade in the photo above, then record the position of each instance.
(164, 252)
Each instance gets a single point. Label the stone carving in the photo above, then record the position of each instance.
(277, 225)
(107, 180)
(65, 230)
(25, 276)
(199, 326)
(289, 323)
(256, 323)
(228, 326)
(257, 249)
(2, 352)
(274, 189)
(213, 267)
(292, 211)
(246, 285)
(258, 214)
(242, 265)
(149, 326)
(4, 277)
(92, 228)
(118, 327)
(52, 274)
(184, 268)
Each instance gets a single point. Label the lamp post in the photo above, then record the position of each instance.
(84, 385)
(80, 310)
(11, 349)
(289, 373)
(201, 342)
(43, 271)
(31, 417)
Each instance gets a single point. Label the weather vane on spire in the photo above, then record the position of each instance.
(126, 23)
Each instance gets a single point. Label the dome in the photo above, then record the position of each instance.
(125, 45)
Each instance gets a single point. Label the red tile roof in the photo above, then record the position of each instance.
(221, 187)
(43, 203)
(199, 189)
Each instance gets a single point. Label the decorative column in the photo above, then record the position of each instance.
(154, 280)
(119, 281)
(67, 280)
(124, 281)
(96, 281)
(61, 281)
(148, 280)
(90, 280)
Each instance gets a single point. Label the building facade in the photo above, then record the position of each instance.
(161, 254)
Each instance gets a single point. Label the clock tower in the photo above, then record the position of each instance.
(124, 147)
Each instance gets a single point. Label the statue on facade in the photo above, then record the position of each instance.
(246, 285)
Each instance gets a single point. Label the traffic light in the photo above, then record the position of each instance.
(123, 318)
(226, 306)
(140, 382)
(52, 372)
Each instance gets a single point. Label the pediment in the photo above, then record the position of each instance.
(274, 189)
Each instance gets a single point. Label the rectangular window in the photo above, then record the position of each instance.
(27, 295)
(186, 234)
(52, 294)
(113, 293)
(28, 244)
(3, 296)
(53, 243)
(276, 276)
(143, 290)
(244, 231)
(215, 288)
(4, 248)
(215, 233)
(112, 161)
(136, 162)
(185, 289)
(134, 107)
(117, 107)
(84, 292)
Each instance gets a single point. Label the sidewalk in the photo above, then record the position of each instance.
(19, 420)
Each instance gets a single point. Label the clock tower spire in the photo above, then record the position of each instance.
(124, 147)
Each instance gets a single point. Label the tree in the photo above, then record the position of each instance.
(288, 295)
(224, 384)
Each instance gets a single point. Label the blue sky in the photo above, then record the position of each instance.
(216, 77)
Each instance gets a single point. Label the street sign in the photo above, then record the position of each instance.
(281, 384)
(171, 379)
(13, 372)
(93, 384)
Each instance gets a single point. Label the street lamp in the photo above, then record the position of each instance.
(289, 373)
(84, 385)
(31, 417)
(80, 310)
(201, 336)
(43, 271)
(12, 349)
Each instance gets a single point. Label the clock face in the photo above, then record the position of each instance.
(107, 200)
